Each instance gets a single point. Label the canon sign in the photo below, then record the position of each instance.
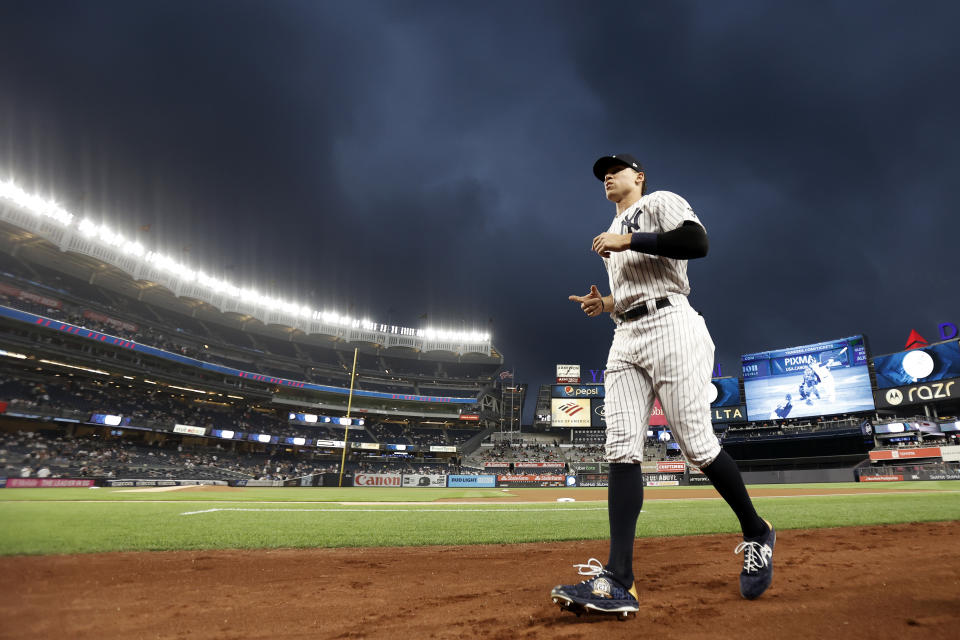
(378, 480)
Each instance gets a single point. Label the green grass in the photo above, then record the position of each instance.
(43, 521)
(254, 494)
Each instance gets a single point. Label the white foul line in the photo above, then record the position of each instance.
(555, 509)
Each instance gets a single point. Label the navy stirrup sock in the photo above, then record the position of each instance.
(725, 476)
(624, 502)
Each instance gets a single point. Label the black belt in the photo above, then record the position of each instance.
(641, 310)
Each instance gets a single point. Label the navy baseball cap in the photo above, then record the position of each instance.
(600, 166)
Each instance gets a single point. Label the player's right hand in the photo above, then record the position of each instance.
(592, 303)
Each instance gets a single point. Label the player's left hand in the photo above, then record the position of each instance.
(605, 243)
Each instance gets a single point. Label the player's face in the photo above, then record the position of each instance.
(619, 181)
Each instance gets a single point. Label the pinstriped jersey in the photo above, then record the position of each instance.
(637, 277)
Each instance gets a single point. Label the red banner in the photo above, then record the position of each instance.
(32, 483)
(473, 417)
(886, 478)
(671, 467)
(113, 322)
(32, 297)
(539, 465)
(377, 480)
(657, 419)
(531, 478)
(496, 465)
(901, 454)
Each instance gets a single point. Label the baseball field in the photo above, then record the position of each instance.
(859, 560)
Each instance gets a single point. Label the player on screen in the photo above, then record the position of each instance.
(783, 409)
(827, 386)
(809, 384)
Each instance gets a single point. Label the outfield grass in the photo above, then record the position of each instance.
(42, 521)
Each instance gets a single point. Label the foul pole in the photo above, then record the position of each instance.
(346, 427)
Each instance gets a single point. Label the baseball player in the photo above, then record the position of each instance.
(661, 348)
(808, 386)
(783, 409)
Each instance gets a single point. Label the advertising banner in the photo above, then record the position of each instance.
(598, 413)
(539, 465)
(917, 394)
(423, 480)
(662, 479)
(592, 479)
(190, 429)
(472, 481)
(905, 454)
(725, 392)
(922, 365)
(126, 482)
(39, 483)
(99, 317)
(943, 475)
(570, 412)
(442, 448)
(568, 374)
(889, 477)
(671, 467)
(50, 303)
(578, 391)
(496, 465)
(728, 414)
(531, 480)
(585, 467)
(657, 419)
(378, 480)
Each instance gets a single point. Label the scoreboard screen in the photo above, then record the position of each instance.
(810, 380)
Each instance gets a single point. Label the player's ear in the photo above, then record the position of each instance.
(640, 177)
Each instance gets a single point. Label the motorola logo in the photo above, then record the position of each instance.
(894, 396)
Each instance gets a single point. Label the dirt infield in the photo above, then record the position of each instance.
(898, 581)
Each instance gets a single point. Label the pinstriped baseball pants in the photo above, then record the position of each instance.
(666, 354)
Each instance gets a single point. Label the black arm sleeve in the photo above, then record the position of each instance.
(686, 242)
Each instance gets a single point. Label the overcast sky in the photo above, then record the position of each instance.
(394, 159)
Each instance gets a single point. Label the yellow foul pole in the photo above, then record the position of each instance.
(346, 427)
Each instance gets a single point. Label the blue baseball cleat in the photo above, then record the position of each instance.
(757, 571)
(600, 594)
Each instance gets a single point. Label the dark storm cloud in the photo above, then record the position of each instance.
(402, 158)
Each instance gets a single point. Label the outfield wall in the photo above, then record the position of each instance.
(799, 476)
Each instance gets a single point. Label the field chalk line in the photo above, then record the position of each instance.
(555, 509)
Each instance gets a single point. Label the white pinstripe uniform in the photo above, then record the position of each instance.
(667, 353)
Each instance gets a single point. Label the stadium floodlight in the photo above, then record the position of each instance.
(34, 204)
(101, 233)
(12, 354)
